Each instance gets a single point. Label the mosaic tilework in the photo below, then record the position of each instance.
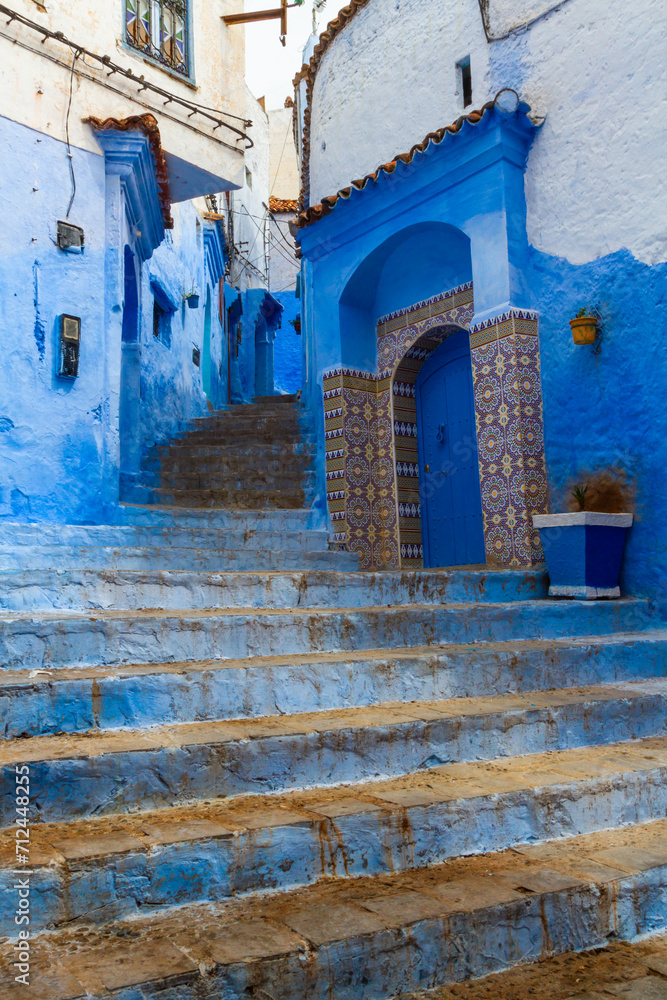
(359, 467)
(371, 435)
(510, 435)
(405, 340)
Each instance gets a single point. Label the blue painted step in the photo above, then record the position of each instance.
(110, 772)
(31, 640)
(48, 588)
(76, 700)
(100, 870)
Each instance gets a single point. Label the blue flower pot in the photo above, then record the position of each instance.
(192, 301)
(584, 552)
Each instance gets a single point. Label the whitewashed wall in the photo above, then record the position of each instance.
(35, 77)
(250, 206)
(597, 69)
(284, 169)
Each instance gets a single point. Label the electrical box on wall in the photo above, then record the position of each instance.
(70, 339)
(70, 237)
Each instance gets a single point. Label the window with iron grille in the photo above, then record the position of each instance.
(159, 28)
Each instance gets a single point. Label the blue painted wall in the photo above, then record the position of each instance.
(171, 384)
(605, 406)
(58, 438)
(288, 347)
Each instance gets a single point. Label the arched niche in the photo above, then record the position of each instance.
(411, 266)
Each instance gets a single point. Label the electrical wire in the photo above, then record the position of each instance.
(107, 63)
(76, 55)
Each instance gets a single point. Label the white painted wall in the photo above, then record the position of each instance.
(250, 206)
(35, 78)
(283, 265)
(284, 170)
(596, 69)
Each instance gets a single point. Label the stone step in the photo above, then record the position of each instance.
(635, 970)
(230, 498)
(232, 452)
(184, 463)
(103, 772)
(260, 405)
(145, 558)
(135, 695)
(282, 427)
(251, 446)
(369, 937)
(21, 589)
(197, 534)
(162, 515)
(31, 640)
(233, 481)
(93, 871)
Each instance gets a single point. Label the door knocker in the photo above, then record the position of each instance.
(440, 434)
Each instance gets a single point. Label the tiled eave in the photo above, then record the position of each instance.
(147, 124)
(316, 212)
(283, 205)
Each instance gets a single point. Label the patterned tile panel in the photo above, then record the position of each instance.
(510, 435)
(371, 434)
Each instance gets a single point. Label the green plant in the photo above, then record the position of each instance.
(578, 494)
(607, 491)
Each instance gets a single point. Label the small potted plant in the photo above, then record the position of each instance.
(584, 327)
(584, 547)
(192, 298)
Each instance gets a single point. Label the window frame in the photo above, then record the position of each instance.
(187, 77)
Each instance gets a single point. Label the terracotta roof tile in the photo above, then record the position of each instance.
(283, 205)
(326, 206)
(148, 125)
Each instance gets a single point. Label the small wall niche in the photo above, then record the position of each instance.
(465, 80)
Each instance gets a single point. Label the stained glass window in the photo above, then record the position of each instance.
(159, 28)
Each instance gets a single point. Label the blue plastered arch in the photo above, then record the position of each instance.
(413, 265)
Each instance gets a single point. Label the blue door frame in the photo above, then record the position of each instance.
(451, 502)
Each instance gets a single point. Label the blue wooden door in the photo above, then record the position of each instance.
(451, 503)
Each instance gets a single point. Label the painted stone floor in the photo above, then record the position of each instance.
(633, 971)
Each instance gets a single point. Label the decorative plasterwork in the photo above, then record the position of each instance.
(133, 152)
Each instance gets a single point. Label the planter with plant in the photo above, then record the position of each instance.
(192, 298)
(584, 327)
(583, 548)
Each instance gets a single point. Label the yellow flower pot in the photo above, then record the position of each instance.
(584, 329)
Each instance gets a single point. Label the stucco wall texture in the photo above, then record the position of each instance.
(596, 73)
(58, 438)
(60, 448)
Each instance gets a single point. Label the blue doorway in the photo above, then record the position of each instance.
(451, 502)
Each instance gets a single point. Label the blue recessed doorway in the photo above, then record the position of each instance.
(451, 503)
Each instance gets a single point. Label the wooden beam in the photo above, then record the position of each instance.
(262, 15)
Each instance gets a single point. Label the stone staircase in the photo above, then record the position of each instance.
(256, 456)
(256, 773)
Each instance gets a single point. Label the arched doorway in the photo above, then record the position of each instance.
(451, 503)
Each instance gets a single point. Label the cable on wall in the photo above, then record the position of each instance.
(69, 147)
